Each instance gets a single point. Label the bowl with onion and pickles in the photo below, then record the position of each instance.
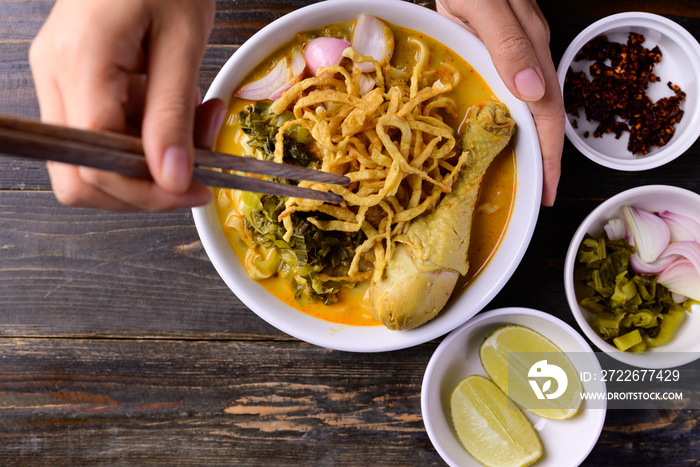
(632, 276)
(444, 170)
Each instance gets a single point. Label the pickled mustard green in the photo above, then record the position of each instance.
(631, 311)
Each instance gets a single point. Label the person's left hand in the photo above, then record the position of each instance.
(516, 35)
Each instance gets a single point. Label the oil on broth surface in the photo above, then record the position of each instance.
(497, 189)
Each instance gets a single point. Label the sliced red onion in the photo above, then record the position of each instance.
(324, 51)
(650, 232)
(688, 250)
(678, 298)
(373, 38)
(666, 247)
(296, 68)
(615, 229)
(682, 228)
(366, 84)
(655, 267)
(280, 78)
(267, 85)
(681, 278)
(298, 64)
(673, 252)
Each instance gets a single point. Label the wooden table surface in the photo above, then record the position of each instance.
(120, 344)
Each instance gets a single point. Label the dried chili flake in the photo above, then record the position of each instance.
(615, 96)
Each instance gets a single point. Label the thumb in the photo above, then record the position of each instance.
(175, 50)
(507, 41)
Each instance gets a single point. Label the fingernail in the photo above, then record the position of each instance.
(216, 123)
(529, 84)
(175, 168)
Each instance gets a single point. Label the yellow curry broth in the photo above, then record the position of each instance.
(489, 225)
(494, 204)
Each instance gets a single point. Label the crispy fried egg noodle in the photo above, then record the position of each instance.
(393, 144)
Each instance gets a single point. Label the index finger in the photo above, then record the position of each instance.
(176, 46)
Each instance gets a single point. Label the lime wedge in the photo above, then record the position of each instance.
(532, 371)
(492, 433)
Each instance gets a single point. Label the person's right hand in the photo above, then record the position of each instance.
(128, 66)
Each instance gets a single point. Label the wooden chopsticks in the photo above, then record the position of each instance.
(124, 154)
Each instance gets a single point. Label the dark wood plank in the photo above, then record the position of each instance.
(172, 402)
(20, 20)
(68, 401)
(237, 21)
(215, 57)
(17, 96)
(79, 272)
(685, 8)
(648, 437)
(23, 174)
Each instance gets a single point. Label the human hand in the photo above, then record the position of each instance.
(128, 66)
(516, 35)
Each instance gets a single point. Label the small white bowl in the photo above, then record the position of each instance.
(680, 64)
(513, 245)
(564, 442)
(684, 347)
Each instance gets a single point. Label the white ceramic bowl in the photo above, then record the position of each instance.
(513, 245)
(565, 442)
(684, 347)
(680, 64)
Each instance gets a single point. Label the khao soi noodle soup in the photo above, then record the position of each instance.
(398, 130)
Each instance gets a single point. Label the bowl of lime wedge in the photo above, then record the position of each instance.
(480, 407)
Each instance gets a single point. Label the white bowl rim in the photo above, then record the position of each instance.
(503, 313)
(675, 32)
(524, 216)
(652, 358)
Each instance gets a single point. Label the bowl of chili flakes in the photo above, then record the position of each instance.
(631, 86)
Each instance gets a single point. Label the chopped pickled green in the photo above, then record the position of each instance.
(640, 319)
(630, 310)
(310, 251)
(669, 323)
(262, 126)
(628, 340)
